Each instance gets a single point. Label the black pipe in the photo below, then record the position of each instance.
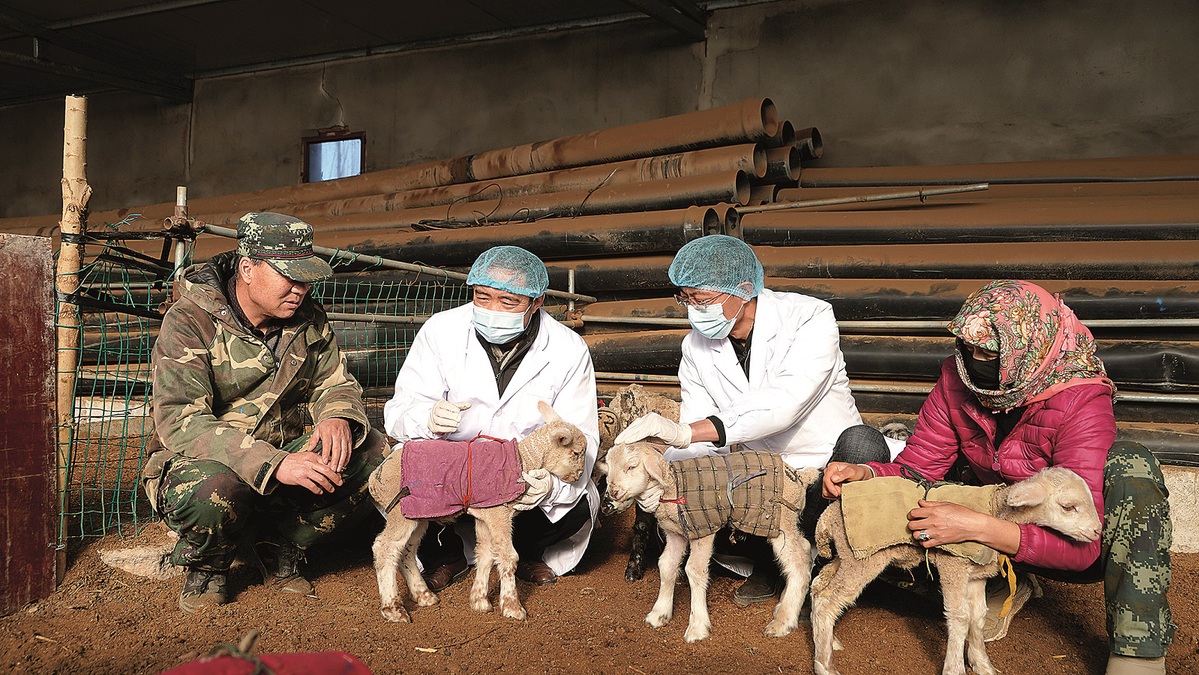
(759, 231)
(541, 241)
(597, 279)
(1168, 367)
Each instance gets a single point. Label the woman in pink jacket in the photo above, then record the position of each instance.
(1024, 391)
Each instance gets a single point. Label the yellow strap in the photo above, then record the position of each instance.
(1009, 572)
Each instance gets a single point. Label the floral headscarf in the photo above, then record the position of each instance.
(1043, 347)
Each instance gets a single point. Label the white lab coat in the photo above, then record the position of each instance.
(796, 400)
(447, 362)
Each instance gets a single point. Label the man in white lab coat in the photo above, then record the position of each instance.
(481, 369)
(760, 371)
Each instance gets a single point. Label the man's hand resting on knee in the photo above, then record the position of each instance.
(308, 470)
(333, 441)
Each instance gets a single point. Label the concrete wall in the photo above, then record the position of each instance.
(886, 81)
(1183, 483)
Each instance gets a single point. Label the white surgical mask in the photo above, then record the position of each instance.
(709, 320)
(498, 327)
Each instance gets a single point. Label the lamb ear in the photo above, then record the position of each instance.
(564, 437)
(547, 413)
(1027, 492)
(655, 462)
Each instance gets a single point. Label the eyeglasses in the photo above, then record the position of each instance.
(700, 302)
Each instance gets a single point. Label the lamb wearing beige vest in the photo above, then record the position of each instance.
(559, 447)
(767, 498)
(1056, 498)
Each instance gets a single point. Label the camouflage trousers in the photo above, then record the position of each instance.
(213, 509)
(1134, 563)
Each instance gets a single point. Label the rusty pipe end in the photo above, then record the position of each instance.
(785, 136)
(742, 188)
(712, 221)
(699, 221)
(809, 142)
(732, 223)
(793, 161)
(760, 160)
(761, 194)
(787, 133)
(769, 116)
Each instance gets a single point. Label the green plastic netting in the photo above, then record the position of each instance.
(121, 292)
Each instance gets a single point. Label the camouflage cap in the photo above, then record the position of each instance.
(285, 242)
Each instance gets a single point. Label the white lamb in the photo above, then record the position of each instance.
(638, 473)
(559, 447)
(1056, 498)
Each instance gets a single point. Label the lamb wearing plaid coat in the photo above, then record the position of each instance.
(754, 492)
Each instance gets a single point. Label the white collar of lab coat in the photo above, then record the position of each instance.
(534, 361)
(765, 331)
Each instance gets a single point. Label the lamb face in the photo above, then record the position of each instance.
(566, 452)
(629, 475)
(1058, 499)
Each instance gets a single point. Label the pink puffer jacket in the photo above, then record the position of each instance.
(1074, 429)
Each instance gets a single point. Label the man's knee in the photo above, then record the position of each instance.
(203, 494)
(1131, 460)
(860, 444)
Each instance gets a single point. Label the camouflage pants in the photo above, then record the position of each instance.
(1134, 562)
(213, 509)
(1136, 552)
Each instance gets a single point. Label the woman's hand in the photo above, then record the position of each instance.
(837, 473)
(936, 523)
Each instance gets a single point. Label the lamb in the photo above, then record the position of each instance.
(1055, 497)
(754, 492)
(559, 447)
(630, 403)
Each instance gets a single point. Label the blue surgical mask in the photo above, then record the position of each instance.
(709, 320)
(499, 327)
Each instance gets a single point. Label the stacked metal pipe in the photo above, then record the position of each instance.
(1118, 238)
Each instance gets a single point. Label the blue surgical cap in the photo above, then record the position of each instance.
(511, 269)
(718, 263)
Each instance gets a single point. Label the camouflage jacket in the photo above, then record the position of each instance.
(221, 394)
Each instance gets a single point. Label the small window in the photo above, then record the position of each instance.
(333, 153)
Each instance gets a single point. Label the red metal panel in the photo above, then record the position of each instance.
(27, 411)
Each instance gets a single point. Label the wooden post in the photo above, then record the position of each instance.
(75, 195)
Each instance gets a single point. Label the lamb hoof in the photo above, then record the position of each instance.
(426, 599)
(635, 569)
(697, 633)
(657, 619)
(779, 629)
(396, 614)
(513, 611)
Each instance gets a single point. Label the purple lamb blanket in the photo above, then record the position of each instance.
(444, 478)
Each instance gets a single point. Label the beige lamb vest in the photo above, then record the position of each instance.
(876, 513)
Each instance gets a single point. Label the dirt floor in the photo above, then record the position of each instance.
(103, 620)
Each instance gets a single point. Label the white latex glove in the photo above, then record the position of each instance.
(539, 482)
(446, 416)
(654, 425)
(651, 498)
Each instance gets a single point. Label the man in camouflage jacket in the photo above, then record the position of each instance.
(261, 428)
